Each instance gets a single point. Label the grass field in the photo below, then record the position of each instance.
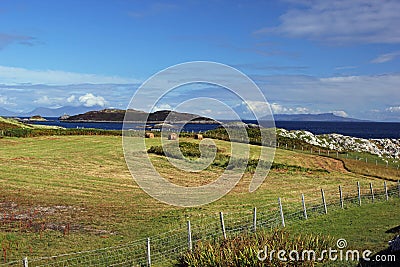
(79, 195)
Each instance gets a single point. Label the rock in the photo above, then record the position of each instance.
(380, 147)
(37, 118)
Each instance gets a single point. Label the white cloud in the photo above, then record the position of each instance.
(5, 100)
(393, 109)
(280, 109)
(341, 21)
(259, 107)
(354, 94)
(48, 101)
(90, 100)
(386, 57)
(340, 113)
(162, 107)
(12, 76)
(71, 99)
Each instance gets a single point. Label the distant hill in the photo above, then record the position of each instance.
(57, 112)
(313, 117)
(49, 112)
(118, 115)
(7, 113)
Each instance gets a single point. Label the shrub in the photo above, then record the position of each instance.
(243, 249)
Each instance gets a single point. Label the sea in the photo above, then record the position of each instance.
(368, 130)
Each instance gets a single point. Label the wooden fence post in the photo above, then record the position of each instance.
(281, 211)
(190, 244)
(359, 193)
(25, 262)
(255, 219)
(148, 252)
(398, 186)
(341, 197)
(323, 201)
(221, 217)
(371, 188)
(386, 191)
(304, 206)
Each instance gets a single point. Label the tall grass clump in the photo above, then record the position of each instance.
(244, 250)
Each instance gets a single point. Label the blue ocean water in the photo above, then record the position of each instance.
(356, 129)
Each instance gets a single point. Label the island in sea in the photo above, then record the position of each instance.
(131, 115)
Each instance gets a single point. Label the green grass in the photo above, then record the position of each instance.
(83, 181)
(362, 227)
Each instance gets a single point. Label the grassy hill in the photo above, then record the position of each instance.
(60, 194)
(11, 124)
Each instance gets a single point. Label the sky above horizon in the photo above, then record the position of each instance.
(306, 56)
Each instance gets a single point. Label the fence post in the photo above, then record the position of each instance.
(190, 244)
(304, 206)
(323, 201)
(398, 186)
(337, 154)
(319, 151)
(311, 151)
(25, 262)
(148, 252)
(371, 188)
(386, 192)
(281, 211)
(328, 153)
(221, 218)
(359, 193)
(341, 197)
(255, 219)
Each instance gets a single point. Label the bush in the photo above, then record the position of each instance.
(243, 249)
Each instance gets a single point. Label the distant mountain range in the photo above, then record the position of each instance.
(50, 112)
(313, 117)
(117, 116)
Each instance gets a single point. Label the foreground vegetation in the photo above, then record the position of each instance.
(362, 228)
(60, 194)
(243, 250)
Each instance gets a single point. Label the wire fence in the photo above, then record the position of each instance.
(165, 248)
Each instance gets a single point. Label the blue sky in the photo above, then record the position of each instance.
(306, 56)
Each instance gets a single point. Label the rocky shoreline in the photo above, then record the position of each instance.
(384, 148)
